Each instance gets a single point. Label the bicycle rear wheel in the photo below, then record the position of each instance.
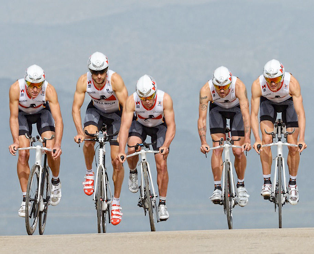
(228, 199)
(45, 197)
(101, 220)
(279, 194)
(31, 204)
(147, 196)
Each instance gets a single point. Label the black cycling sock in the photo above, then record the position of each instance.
(134, 171)
(55, 182)
(240, 184)
(267, 181)
(24, 198)
(162, 202)
(217, 186)
(292, 182)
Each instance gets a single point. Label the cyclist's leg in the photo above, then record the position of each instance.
(240, 158)
(136, 135)
(216, 158)
(118, 170)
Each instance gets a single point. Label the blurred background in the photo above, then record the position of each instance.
(179, 43)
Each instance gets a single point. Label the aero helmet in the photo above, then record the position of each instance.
(273, 69)
(146, 86)
(34, 74)
(222, 76)
(97, 62)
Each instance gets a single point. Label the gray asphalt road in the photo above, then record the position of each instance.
(300, 240)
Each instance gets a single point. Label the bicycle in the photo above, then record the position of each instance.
(229, 198)
(38, 187)
(279, 192)
(103, 195)
(147, 197)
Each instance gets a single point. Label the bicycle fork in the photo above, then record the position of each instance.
(279, 160)
(231, 177)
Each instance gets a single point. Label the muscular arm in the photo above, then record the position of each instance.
(78, 102)
(126, 120)
(241, 94)
(52, 98)
(169, 116)
(255, 103)
(295, 92)
(14, 112)
(120, 89)
(204, 98)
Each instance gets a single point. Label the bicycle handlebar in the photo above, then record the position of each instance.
(141, 145)
(34, 139)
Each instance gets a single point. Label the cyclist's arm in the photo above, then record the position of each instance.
(126, 120)
(255, 103)
(14, 115)
(169, 117)
(204, 98)
(78, 101)
(119, 88)
(241, 94)
(295, 92)
(52, 98)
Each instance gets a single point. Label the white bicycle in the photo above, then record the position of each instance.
(148, 197)
(229, 198)
(38, 187)
(279, 191)
(103, 195)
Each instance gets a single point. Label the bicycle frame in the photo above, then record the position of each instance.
(143, 160)
(39, 152)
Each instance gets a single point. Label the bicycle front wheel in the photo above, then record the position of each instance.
(101, 221)
(44, 201)
(31, 203)
(228, 199)
(147, 196)
(279, 194)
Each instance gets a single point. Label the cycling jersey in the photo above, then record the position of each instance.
(281, 95)
(150, 117)
(31, 105)
(105, 98)
(227, 102)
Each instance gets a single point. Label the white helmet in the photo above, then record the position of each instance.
(34, 74)
(273, 69)
(222, 76)
(146, 86)
(97, 61)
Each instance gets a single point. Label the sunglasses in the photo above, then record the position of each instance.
(98, 72)
(32, 85)
(147, 98)
(275, 80)
(225, 87)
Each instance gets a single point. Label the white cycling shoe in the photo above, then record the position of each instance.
(216, 196)
(55, 195)
(242, 196)
(133, 182)
(163, 213)
(22, 210)
(294, 196)
(266, 191)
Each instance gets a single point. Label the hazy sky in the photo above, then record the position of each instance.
(180, 43)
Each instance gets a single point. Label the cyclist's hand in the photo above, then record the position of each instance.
(121, 157)
(164, 150)
(79, 138)
(303, 147)
(255, 146)
(13, 148)
(246, 147)
(205, 148)
(56, 152)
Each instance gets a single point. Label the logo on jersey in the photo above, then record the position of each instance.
(22, 92)
(89, 84)
(137, 104)
(159, 103)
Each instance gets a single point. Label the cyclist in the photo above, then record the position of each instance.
(154, 117)
(108, 96)
(34, 100)
(278, 91)
(228, 99)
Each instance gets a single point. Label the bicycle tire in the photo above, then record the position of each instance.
(45, 196)
(99, 199)
(148, 199)
(228, 199)
(279, 200)
(108, 203)
(31, 204)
